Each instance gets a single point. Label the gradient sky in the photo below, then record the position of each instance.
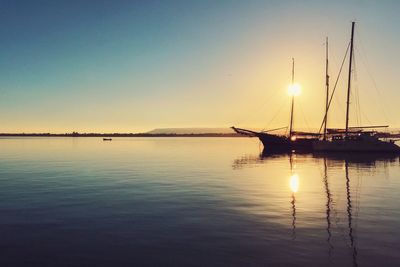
(131, 66)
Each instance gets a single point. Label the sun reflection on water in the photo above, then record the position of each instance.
(294, 183)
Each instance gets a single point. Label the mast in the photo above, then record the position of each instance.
(327, 90)
(291, 111)
(349, 80)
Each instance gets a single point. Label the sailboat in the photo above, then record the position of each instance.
(295, 141)
(351, 139)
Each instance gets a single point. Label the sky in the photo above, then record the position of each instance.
(131, 66)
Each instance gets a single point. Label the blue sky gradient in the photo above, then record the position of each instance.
(127, 66)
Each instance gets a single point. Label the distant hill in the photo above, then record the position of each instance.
(190, 130)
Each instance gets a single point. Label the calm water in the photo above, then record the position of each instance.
(193, 202)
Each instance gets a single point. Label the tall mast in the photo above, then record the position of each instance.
(291, 111)
(349, 80)
(327, 90)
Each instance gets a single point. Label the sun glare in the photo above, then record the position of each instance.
(294, 183)
(294, 89)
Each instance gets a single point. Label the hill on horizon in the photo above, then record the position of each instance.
(190, 131)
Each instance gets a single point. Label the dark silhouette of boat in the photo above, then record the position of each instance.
(351, 139)
(297, 141)
(294, 141)
(107, 139)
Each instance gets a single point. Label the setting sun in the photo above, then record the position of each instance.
(294, 89)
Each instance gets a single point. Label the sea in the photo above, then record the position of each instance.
(189, 201)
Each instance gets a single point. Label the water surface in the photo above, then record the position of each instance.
(193, 202)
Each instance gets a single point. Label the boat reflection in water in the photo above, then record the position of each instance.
(294, 187)
(328, 208)
(334, 204)
(350, 216)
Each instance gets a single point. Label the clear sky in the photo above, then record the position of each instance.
(130, 66)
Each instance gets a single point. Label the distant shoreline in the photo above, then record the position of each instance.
(108, 135)
(118, 135)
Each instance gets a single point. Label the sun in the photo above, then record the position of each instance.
(294, 89)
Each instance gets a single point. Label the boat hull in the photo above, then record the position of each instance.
(282, 143)
(355, 146)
